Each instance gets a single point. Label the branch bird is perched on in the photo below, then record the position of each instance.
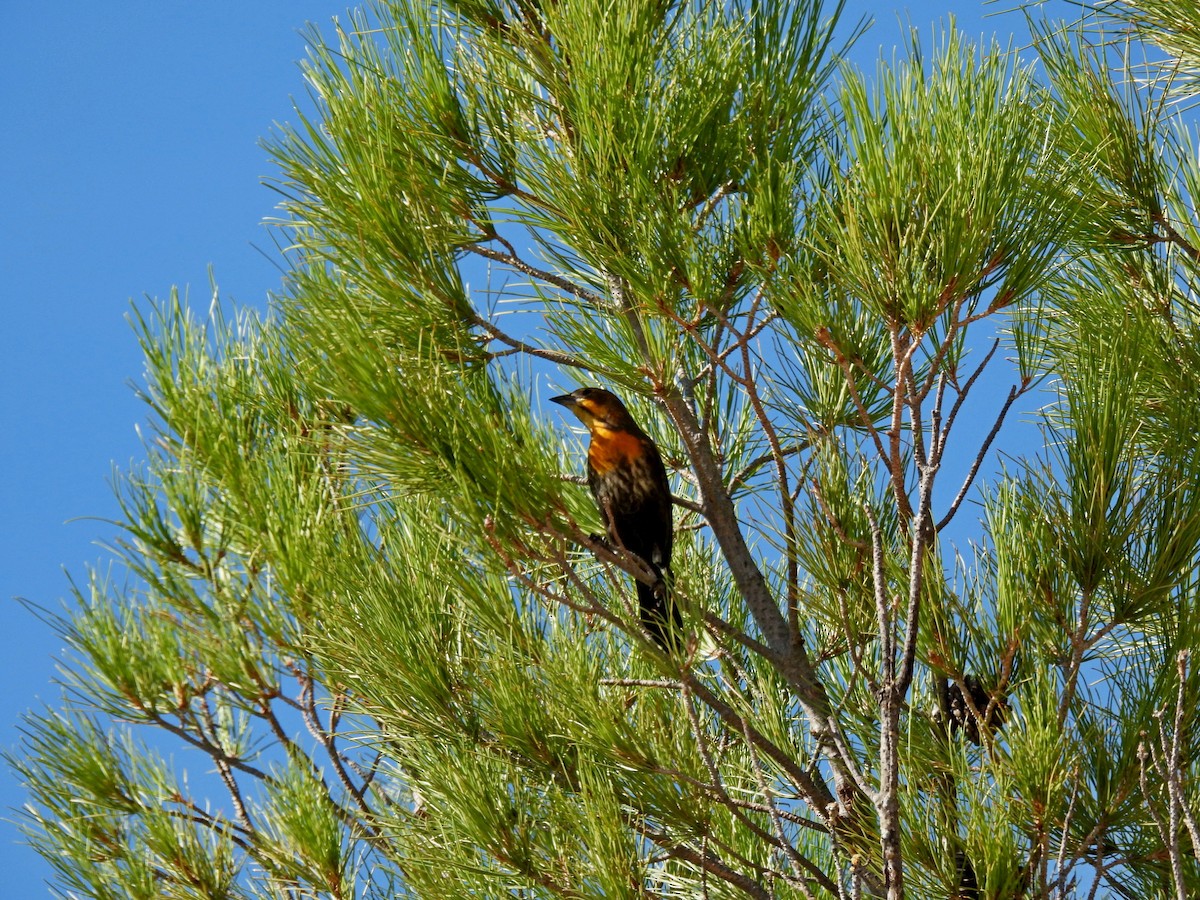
(629, 481)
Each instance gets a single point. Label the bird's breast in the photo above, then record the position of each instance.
(612, 450)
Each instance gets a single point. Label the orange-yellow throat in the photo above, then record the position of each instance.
(611, 448)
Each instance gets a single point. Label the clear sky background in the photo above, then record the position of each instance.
(131, 163)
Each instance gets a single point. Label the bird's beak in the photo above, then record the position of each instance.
(571, 402)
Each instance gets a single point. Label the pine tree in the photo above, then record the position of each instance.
(363, 589)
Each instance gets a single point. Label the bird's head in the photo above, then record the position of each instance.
(596, 407)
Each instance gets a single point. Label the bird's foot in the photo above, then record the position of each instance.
(603, 541)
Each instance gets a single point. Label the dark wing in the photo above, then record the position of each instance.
(635, 503)
(634, 498)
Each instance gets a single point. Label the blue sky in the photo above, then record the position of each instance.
(131, 163)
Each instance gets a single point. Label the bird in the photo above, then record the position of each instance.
(628, 480)
(984, 713)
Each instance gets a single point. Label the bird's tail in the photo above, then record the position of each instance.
(660, 614)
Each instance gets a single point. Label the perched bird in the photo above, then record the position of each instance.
(629, 481)
(988, 715)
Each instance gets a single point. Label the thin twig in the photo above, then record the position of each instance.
(751, 467)
(711, 203)
(937, 438)
(663, 683)
(519, 346)
(834, 522)
(1189, 817)
(1175, 238)
(787, 507)
(963, 391)
(1079, 646)
(1143, 756)
(843, 362)
(894, 460)
(327, 738)
(1063, 869)
(705, 861)
(798, 862)
(520, 265)
(922, 537)
(1171, 775)
(1013, 393)
(816, 794)
(887, 635)
(215, 751)
(226, 772)
(234, 831)
(717, 786)
(719, 625)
